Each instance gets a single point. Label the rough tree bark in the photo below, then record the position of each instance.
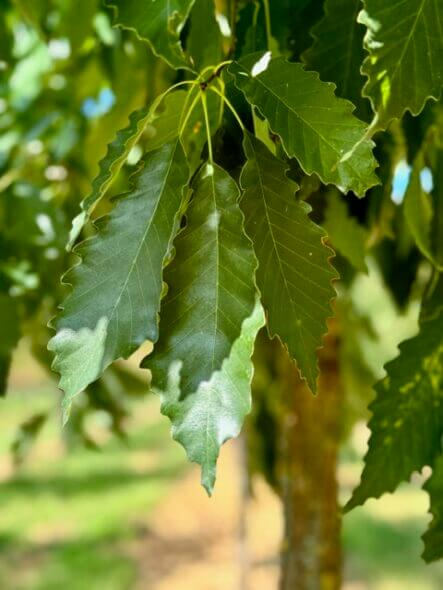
(311, 553)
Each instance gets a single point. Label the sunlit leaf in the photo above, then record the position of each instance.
(315, 126)
(205, 419)
(109, 167)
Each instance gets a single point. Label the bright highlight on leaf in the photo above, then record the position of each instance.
(216, 238)
(205, 419)
(109, 167)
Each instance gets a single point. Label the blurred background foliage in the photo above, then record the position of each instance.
(68, 82)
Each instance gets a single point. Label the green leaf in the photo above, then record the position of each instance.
(405, 63)
(10, 335)
(77, 21)
(437, 204)
(407, 421)
(315, 126)
(166, 126)
(291, 22)
(294, 275)
(433, 538)
(205, 419)
(204, 43)
(160, 124)
(114, 303)
(346, 234)
(417, 210)
(337, 52)
(109, 167)
(251, 29)
(33, 11)
(211, 287)
(159, 23)
(25, 437)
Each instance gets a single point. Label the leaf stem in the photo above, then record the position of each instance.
(268, 24)
(229, 105)
(188, 113)
(163, 95)
(208, 129)
(370, 131)
(222, 102)
(216, 71)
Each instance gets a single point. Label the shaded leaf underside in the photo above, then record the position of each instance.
(346, 234)
(203, 420)
(433, 538)
(417, 208)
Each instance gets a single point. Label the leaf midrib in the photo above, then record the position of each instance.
(274, 243)
(313, 129)
(409, 38)
(142, 241)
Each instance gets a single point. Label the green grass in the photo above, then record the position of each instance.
(66, 516)
(68, 519)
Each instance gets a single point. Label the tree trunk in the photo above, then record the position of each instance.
(311, 556)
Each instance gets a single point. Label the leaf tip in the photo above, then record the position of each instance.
(208, 478)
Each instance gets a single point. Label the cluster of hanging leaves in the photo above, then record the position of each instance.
(276, 120)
